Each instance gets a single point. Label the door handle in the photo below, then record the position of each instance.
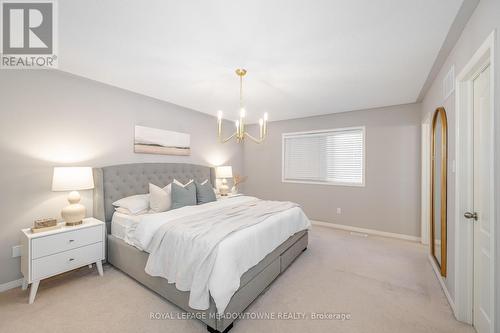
(469, 215)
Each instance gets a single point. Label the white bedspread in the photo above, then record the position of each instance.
(238, 252)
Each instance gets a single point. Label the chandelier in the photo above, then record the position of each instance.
(240, 132)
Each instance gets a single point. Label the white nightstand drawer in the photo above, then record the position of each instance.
(64, 241)
(65, 261)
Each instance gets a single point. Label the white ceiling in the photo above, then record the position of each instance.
(303, 57)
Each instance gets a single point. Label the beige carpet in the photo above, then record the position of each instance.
(385, 285)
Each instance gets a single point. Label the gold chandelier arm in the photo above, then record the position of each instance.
(226, 140)
(254, 139)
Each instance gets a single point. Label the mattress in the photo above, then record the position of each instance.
(123, 226)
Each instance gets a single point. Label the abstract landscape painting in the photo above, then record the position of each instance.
(157, 141)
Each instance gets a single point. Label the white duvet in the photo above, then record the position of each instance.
(238, 252)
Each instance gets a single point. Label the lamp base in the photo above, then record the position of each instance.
(74, 213)
(223, 189)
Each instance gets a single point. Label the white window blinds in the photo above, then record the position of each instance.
(332, 156)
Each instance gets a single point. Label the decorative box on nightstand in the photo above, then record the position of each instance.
(53, 252)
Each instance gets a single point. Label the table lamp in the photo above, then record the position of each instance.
(73, 179)
(224, 172)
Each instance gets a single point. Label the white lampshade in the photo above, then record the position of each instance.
(224, 171)
(72, 179)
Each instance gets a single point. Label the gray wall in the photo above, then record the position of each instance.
(391, 199)
(485, 19)
(49, 118)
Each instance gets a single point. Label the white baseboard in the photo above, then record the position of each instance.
(367, 231)
(443, 286)
(10, 285)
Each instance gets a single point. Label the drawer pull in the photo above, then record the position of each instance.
(71, 259)
(71, 240)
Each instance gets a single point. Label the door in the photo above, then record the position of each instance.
(483, 187)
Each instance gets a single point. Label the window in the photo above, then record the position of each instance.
(335, 157)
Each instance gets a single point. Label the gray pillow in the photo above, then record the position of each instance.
(183, 196)
(204, 193)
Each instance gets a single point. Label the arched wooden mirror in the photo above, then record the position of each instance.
(439, 157)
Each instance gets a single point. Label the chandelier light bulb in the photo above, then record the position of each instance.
(243, 113)
(265, 116)
(219, 114)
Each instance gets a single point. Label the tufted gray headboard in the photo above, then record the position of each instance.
(118, 181)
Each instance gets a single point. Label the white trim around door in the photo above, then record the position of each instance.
(464, 229)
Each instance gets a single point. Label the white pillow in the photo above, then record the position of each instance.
(134, 204)
(183, 185)
(126, 211)
(160, 199)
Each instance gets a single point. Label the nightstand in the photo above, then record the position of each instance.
(53, 252)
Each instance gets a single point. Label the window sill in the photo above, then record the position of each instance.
(323, 183)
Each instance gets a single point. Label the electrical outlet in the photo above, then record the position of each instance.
(16, 251)
(339, 211)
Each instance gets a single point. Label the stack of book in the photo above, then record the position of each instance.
(44, 225)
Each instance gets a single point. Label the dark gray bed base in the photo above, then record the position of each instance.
(132, 261)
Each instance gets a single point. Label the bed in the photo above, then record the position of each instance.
(115, 182)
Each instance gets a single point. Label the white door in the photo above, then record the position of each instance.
(483, 185)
